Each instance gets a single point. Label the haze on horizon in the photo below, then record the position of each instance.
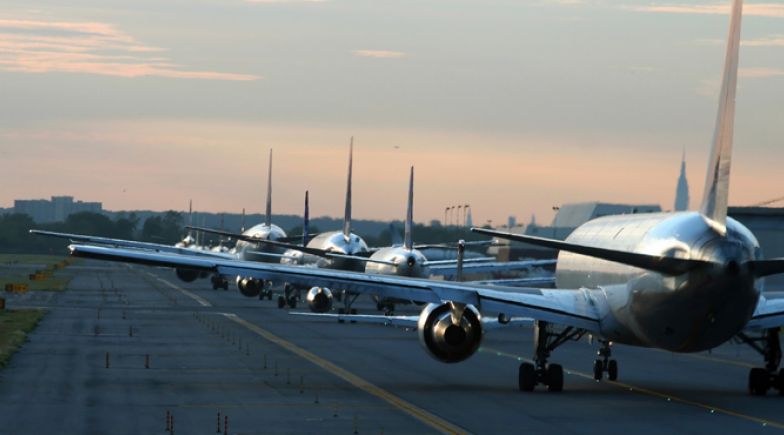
(510, 106)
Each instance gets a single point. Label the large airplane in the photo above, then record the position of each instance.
(247, 248)
(680, 281)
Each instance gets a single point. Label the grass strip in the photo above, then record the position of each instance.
(14, 327)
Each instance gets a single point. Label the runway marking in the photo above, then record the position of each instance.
(668, 397)
(418, 413)
(718, 360)
(203, 302)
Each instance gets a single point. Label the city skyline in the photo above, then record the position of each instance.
(512, 107)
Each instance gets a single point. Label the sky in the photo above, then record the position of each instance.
(513, 107)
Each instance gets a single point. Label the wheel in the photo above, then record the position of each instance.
(341, 311)
(292, 302)
(269, 295)
(225, 286)
(758, 382)
(554, 377)
(281, 302)
(612, 370)
(598, 369)
(780, 382)
(353, 311)
(526, 377)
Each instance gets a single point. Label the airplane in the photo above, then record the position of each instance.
(680, 281)
(248, 248)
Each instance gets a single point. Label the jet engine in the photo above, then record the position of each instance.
(188, 275)
(319, 299)
(446, 340)
(250, 287)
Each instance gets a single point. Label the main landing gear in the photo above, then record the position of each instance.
(219, 282)
(540, 372)
(605, 364)
(289, 297)
(770, 377)
(348, 301)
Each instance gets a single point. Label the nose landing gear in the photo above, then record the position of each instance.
(605, 364)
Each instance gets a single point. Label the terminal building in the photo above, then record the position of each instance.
(55, 210)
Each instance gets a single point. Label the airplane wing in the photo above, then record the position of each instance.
(410, 322)
(450, 269)
(132, 244)
(577, 308)
(538, 281)
(769, 314)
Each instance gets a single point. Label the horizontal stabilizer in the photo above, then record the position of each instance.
(761, 268)
(664, 265)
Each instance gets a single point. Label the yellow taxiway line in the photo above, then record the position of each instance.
(667, 397)
(418, 413)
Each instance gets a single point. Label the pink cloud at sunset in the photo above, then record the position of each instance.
(35, 46)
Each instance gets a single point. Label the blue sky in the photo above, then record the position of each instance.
(511, 106)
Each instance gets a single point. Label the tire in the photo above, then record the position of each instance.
(598, 369)
(353, 311)
(341, 311)
(269, 295)
(554, 378)
(526, 377)
(281, 302)
(292, 302)
(780, 382)
(612, 370)
(758, 382)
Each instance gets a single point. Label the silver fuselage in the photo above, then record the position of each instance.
(691, 312)
(408, 262)
(245, 249)
(334, 242)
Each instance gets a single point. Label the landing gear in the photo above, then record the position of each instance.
(540, 372)
(290, 297)
(218, 282)
(387, 307)
(770, 377)
(605, 364)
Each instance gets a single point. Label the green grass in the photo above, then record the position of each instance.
(18, 272)
(14, 326)
(31, 259)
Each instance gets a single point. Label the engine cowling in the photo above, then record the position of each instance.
(446, 341)
(319, 299)
(250, 287)
(187, 275)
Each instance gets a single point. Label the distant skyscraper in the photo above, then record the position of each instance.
(682, 191)
(469, 219)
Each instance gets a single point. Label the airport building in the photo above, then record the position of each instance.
(55, 210)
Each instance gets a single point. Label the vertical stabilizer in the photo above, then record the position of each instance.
(268, 216)
(306, 222)
(714, 199)
(347, 215)
(190, 216)
(242, 222)
(408, 241)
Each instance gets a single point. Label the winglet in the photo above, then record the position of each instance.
(408, 241)
(268, 217)
(306, 222)
(714, 199)
(347, 216)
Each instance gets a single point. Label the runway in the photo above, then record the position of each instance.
(211, 352)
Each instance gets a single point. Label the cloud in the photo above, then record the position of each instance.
(379, 54)
(37, 46)
(772, 41)
(756, 9)
(760, 73)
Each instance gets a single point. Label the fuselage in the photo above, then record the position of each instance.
(691, 312)
(407, 262)
(335, 242)
(246, 250)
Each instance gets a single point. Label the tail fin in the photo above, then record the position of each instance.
(408, 241)
(306, 222)
(268, 217)
(190, 215)
(242, 222)
(347, 216)
(714, 199)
